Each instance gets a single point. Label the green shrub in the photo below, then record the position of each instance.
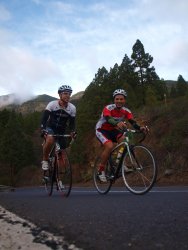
(173, 141)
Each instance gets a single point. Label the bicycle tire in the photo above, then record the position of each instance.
(64, 175)
(141, 174)
(48, 178)
(102, 187)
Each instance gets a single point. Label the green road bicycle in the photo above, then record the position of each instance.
(134, 163)
(59, 173)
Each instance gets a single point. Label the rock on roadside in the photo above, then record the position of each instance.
(17, 233)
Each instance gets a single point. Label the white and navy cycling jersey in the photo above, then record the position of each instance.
(58, 118)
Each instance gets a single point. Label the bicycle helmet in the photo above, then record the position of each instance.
(119, 92)
(65, 88)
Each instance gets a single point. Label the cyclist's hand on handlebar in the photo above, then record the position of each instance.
(73, 135)
(43, 133)
(121, 126)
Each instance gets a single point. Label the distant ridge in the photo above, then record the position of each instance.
(43, 98)
(36, 104)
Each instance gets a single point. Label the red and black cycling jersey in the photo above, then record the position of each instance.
(58, 118)
(111, 115)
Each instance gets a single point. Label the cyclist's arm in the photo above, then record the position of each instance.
(117, 124)
(72, 123)
(134, 124)
(111, 120)
(143, 129)
(72, 119)
(45, 117)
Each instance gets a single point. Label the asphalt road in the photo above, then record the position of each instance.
(118, 220)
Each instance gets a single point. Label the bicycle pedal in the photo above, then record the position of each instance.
(60, 185)
(111, 177)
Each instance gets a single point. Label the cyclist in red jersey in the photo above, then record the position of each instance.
(109, 126)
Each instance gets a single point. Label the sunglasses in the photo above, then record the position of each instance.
(65, 93)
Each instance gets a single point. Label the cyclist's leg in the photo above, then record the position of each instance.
(48, 144)
(107, 148)
(62, 154)
(105, 138)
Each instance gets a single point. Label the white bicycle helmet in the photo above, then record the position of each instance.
(64, 88)
(119, 92)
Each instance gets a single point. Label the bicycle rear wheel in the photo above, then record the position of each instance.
(48, 179)
(102, 187)
(64, 175)
(139, 170)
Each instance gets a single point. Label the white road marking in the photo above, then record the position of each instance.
(126, 191)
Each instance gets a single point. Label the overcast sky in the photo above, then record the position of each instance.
(47, 43)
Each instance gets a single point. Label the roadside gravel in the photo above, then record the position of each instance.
(17, 233)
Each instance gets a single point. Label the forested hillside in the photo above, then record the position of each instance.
(164, 108)
(37, 103)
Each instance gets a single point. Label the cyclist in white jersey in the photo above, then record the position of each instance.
(57, 117)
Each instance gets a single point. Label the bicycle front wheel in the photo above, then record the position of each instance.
(64, 175)
(102, 187)
(139, 170)
(48, 178)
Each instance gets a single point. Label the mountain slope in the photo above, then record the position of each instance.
(38, 103)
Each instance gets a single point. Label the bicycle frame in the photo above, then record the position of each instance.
(59, 174)
(125, 144)
(136, 165)
(56, 149)
(117, 169)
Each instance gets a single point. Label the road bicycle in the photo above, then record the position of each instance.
(59, 173)
(134, 163)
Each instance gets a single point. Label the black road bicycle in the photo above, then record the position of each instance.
(59, 173)
(136, 165)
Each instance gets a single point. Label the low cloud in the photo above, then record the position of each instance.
(68, 42)
(22, 73)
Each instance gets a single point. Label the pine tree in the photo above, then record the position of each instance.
(150, 99)
(16, 150)
(181, 86)
(141, 62)
(173, 92)
(126, 71)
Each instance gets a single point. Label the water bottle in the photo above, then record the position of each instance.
(120, 152)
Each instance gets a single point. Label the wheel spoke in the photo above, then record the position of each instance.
(144, 175)
(48, 179)
(102, 187)
(64, 175)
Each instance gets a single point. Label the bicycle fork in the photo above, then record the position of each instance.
(136, 165)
